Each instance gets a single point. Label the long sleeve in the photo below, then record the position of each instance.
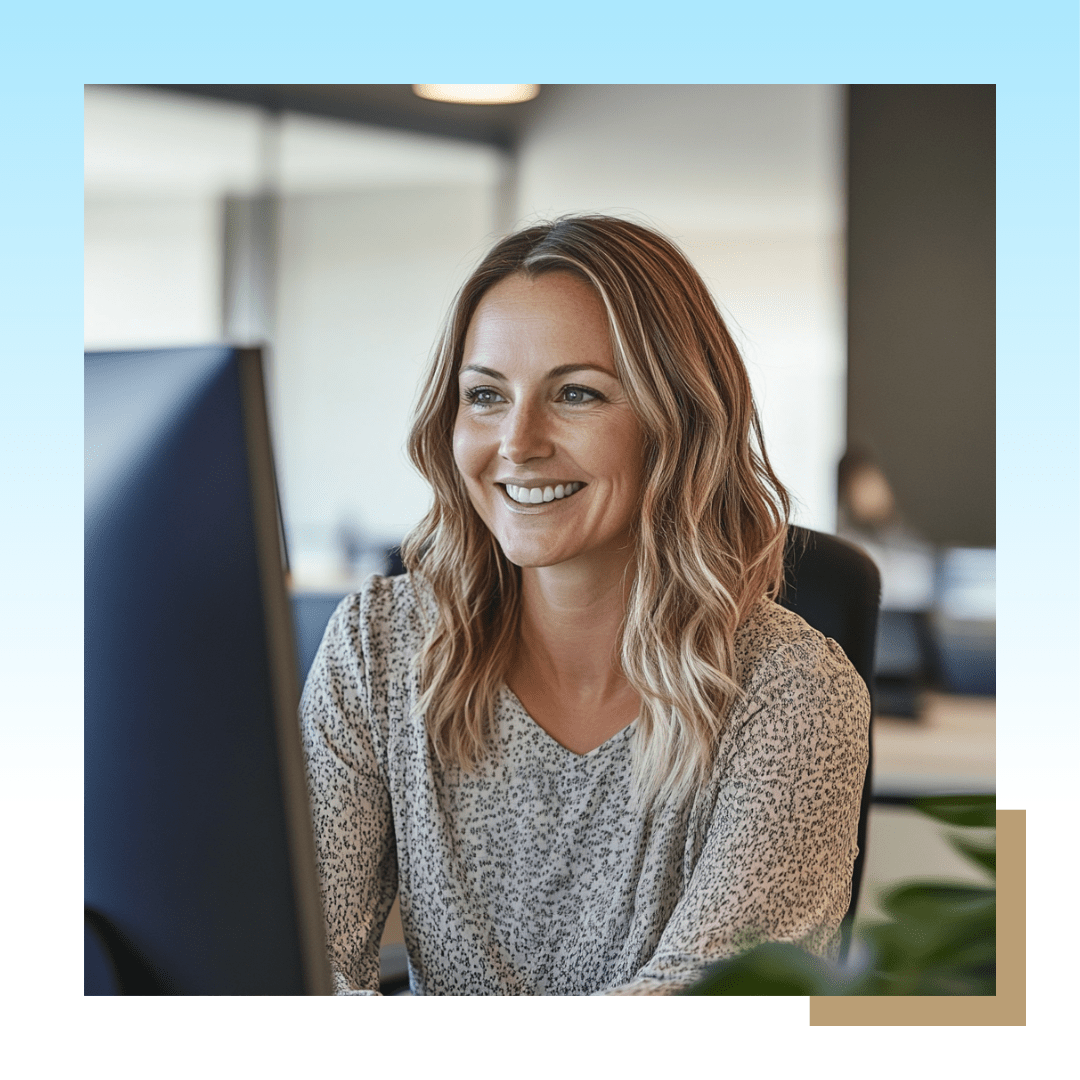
(354, 831)
(780, 837)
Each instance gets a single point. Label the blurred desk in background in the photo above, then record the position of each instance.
(950, 748)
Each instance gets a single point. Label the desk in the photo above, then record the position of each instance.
(949, 748)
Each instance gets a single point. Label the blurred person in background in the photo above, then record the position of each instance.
(869, 516)
(579, 739)
(907, 656)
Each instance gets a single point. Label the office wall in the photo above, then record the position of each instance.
(749, 181)
(152, 269)
(156, 168)
(921, 302)
(364, 279)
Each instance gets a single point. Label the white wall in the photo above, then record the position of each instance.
(152, 270)
(749, 181)
(364, 281)
(156, 168)
(376, 230)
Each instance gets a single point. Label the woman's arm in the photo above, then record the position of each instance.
(354, 832)
(777, 858)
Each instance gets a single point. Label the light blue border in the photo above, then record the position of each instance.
(1030, 52)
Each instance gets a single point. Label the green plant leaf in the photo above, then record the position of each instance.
(774, 968)
(891, 946)
(976, 811)
(943, 941)
(978, 952)
(949, 979)
(929, 904)
(984, 855)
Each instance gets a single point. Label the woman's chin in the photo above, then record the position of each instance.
(599, 559)
(535, 552)
(530, 559)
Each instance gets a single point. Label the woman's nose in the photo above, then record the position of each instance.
(525, 435)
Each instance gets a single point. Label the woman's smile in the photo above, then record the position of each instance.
(545, 439)
(538, 494)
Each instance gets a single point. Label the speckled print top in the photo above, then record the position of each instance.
(535, 875)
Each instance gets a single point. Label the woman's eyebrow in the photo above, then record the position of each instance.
(569, 369)
(491, 373)
(554, 373)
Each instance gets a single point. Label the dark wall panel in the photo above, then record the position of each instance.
(921, 337)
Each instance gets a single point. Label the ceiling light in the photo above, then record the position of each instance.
(478, 93)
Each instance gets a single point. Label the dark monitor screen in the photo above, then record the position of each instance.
(199, 859)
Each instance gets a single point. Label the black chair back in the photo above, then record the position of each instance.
(836, 588)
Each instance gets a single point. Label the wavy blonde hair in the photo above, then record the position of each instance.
(713, 517)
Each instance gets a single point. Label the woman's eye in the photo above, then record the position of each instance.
(578, 395)
(481, 395)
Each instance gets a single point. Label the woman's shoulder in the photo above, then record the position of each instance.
(773, 639)
(798, 685)
(386, 615)
(359, 689)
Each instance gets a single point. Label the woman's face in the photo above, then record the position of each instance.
(545, 439)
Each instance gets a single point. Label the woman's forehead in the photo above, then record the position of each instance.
(552, 287)
(555, 310)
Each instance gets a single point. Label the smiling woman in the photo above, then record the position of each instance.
(579, 739)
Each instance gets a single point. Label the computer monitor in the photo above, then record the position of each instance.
(199, 857)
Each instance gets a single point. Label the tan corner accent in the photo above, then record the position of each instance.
(1008, 1007)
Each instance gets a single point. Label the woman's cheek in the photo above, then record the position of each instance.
(462, 445)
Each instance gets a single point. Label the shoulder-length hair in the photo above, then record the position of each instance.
(709, 539)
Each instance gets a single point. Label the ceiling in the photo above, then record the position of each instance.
(383, 104)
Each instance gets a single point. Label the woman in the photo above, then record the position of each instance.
(579, 738)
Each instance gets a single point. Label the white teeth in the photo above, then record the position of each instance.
(531, 496)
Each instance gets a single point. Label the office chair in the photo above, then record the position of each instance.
(836, 588)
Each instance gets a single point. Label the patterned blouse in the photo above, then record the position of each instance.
(536, 875)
